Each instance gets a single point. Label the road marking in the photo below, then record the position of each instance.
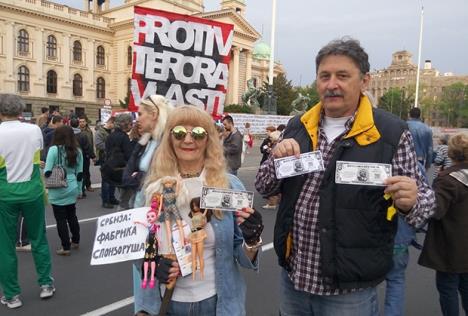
(111, 307)
(80, 221)
(129, 300)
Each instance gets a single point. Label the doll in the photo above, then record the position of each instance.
(198, 235)
(170, 190)
(152, 243)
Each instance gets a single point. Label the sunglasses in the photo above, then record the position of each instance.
(197, 133)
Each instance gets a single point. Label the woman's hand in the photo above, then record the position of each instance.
(251, 224)
(166, 270)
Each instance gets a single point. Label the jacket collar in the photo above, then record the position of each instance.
(363, 129)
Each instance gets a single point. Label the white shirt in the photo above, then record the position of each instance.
(334, 127)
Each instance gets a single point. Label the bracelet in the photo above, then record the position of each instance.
(254, 247)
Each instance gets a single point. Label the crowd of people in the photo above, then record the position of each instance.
(335, 242)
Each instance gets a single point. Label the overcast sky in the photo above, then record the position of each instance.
(383, 27)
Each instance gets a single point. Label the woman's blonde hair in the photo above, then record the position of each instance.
(458, 148)
(157, 104)
(164, 161)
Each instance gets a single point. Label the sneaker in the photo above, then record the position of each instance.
(107, 205)
(24, 248)
(268, 206)
(63, 252)
(115, 202)
(15, 302)
(75, 246)
(47, 291)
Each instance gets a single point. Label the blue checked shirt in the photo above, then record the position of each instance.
(304, 261)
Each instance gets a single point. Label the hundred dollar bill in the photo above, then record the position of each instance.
(224, 199)
(362, 173)
(291, 166)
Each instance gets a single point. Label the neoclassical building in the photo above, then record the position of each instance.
(402, 74)
(63, 58)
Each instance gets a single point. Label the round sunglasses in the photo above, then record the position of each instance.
(197, 133)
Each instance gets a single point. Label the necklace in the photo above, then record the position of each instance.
(190, 175)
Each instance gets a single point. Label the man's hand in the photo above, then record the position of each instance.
(287, 147)
(404, 192)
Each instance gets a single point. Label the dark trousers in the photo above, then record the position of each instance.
(65, 215)
(107, 192)
(86, 174)
(449, 285)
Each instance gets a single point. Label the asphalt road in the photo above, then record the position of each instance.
(107, 290)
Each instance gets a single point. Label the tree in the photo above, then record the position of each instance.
(454, 104)
(396, 101)
(284, 93)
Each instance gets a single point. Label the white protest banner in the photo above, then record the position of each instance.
(258, 123)
(118, 238)
(182, 57)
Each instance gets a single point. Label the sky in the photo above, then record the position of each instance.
(383, 27)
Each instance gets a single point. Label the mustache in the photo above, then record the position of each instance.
(330, 93)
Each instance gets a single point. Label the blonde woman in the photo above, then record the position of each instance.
(190, 149)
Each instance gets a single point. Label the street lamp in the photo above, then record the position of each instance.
(270, 100)
(419, 56)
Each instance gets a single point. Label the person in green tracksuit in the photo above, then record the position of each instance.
(21, 192)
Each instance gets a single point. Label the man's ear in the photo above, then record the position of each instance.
(365, 82)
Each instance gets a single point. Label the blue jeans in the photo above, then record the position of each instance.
(107, 192)
(299, 303)
(395, 279)
(207, 307)
(448, 286)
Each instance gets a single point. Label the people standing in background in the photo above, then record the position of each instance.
(266, 146)
(48, 132)
(272, 200)
(102, 132)
(441, 159)
(247, 141)
(127, 193)
(445, 246)
(422, 138)
(65, 152)
(22, 192)
(86, 149)
(88, 133)
(43, 118)
(281, 127)
(232, 144)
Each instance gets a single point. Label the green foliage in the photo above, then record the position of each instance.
(284, 93)
(311, 92)
(238, 108)
(398, 102)
(454, 104)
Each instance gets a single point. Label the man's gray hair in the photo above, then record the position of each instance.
(123, 120)
(11, 105)
(345, 46)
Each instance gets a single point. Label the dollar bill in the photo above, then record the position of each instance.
(291, 166)
(362, 173)
(224, 199)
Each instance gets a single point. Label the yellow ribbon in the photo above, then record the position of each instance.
(391, 210)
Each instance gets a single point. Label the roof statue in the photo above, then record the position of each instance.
(299, 104)
(251, 95)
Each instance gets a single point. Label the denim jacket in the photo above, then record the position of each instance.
(422, 138)
(230, 284)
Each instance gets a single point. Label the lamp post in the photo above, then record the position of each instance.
(419, 56)
(270, 99)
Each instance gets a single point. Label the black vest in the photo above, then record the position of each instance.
(356, 239)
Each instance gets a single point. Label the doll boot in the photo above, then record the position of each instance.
(143, 283)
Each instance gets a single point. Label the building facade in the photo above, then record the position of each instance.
(402, 74)
(63, 58)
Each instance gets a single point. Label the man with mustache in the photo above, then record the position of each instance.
(334, 240)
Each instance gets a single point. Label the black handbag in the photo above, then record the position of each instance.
(58, 175)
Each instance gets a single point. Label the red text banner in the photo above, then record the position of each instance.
(184, 58)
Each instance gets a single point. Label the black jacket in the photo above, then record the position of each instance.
(118, 152)
(355, 237)
(129, 181)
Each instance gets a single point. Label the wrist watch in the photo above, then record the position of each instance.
(254, 247)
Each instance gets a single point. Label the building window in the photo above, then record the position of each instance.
(100, 56)
(100, 88)
(28, 108)
(23, 42)
(129, 86)
(77, 51)
(77, 85)
(129, 56)
(51, 81)
(23, 79)
(51, 47)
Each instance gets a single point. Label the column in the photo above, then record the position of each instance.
(39, 53)
(235, 76)
(90, 62)
(66, 57)
(95, 7)
(86, 5)
(248, 73)
(106, 5)
(10, 45)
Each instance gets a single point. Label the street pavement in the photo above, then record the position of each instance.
(83, 289)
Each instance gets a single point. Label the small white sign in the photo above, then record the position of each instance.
(118, 238)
